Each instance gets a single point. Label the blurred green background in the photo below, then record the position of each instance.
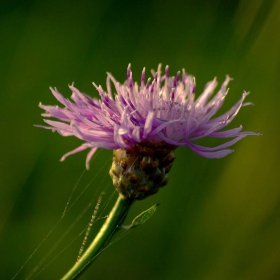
(218, 219)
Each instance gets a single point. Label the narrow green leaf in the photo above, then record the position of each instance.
(143, 217)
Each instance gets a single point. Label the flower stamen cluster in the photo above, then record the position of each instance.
(161, 109)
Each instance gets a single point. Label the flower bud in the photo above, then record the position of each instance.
(140, 170)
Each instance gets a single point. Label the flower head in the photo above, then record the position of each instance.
(161, 110)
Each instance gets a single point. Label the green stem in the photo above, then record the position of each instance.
(115, 219)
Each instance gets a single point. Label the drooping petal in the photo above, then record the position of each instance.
(77, 150)
(89, 156)
(215, 154)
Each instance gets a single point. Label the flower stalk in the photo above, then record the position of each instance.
(107, 231)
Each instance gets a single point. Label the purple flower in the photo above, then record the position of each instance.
(162, 109)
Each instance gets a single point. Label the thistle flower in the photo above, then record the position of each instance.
(150, 119)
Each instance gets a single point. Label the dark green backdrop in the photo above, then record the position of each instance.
(218, 219)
